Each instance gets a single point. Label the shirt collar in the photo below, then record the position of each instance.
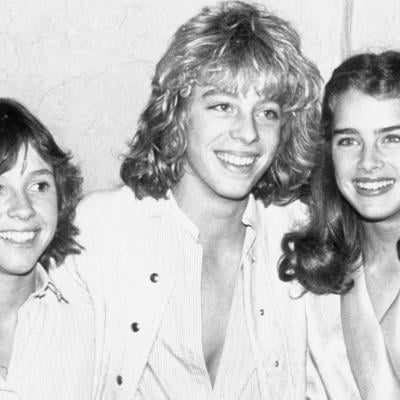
(251, 215)
(169, 208)
(252, 220)
(45, 284)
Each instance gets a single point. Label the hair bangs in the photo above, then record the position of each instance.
(8, 157)
(233, 46)
(11, 144)
(239, 77)
(270, 78)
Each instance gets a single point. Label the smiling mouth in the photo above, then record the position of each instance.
(237, 161)
(376, 186)
(20, 237)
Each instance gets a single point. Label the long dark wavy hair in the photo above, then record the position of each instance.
(231, 46)
(322, 255)
(18, 129)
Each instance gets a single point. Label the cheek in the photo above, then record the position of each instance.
(343, 164)
(342, 175)
(196, 139)
(48, 210)
(271, 142)
(342, 179)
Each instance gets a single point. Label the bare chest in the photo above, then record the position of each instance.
(217, 290)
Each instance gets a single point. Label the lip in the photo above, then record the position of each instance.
(237, 161)
(373, 187)
(19, 238)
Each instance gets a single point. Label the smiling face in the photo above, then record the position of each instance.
(366, 154)
(232, 140)
(28, 212)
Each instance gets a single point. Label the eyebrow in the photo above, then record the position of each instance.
(213, 91)
(345, 131)
(43, 171)
(216, 91)
(351, 131)
(389, 129)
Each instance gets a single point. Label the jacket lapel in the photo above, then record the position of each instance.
(390, 324)
(365, 344)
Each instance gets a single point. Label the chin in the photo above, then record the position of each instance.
(374, 216)
(235, 196)
(24, 267)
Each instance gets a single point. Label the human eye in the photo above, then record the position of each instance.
(3, 189)
(222, 107)
(392, 138)
(40, 186)
(271, 114)
(346, 141)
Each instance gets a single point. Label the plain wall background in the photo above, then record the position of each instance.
(84, 66)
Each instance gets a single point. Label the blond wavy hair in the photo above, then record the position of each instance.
(232, 46)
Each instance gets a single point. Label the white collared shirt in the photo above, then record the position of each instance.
(132, 247)
(52, 356)
(176, 367)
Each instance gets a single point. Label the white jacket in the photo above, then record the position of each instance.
(126, 267)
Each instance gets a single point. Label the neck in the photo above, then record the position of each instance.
(14, 291)
(381, 240)
(217, 219)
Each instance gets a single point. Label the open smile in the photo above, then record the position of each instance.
(371, 187)
(18, 237)
(236, 160)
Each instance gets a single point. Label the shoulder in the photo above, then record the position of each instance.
(325, 307)
(284, 217)
(327, 345)
(105, 199)
(72, 289)
(324, 319)
(110, 207)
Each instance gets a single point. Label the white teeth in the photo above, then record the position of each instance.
(18, 237)
(236, 160)
(374, 185)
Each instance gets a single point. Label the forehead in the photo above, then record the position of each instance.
(354, 109)
(241, 81)
(28, 161)
(210, 91)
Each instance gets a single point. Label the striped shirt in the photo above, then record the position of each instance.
(52, 356)
(176, 368)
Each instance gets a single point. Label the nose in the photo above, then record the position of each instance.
(245, 130)
(20, 207)
(370, 159)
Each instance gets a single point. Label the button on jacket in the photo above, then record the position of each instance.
(132, 247)
(177, 353)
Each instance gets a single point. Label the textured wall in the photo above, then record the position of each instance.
(84, 66)
(376, 25)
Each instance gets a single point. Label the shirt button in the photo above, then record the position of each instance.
(135, 326)
(154, 278)
(119, 380)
